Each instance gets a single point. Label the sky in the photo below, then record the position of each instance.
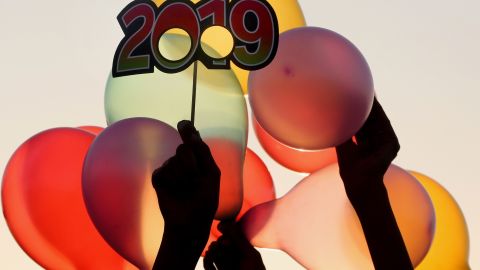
(56, 55)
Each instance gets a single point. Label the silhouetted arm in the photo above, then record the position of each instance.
(384, 240)
(187, 187)
(362, 167)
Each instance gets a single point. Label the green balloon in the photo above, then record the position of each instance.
(221, 112)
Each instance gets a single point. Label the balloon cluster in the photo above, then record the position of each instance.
(81, 198)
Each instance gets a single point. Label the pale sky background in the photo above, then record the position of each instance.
(424, 55)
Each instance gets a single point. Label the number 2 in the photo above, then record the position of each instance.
(132, 55)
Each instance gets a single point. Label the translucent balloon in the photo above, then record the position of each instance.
(258, 187)
(229, 157)
(316, 225)
(289, 15)
(92, 129)
(450, 246)
(117, 185)
(294, 159)
(317, 92)
(221, 113)
(257, 183)
(44, 207)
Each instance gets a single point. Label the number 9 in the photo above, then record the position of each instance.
(264, 38)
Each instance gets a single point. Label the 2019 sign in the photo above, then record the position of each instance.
(252, 23)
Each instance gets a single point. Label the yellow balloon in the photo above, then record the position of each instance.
(450, 246)
(289, 15)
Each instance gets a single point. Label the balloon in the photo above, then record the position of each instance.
(294, 159)
(257, 183)
(289, 15)
(229, 158)
(221, 112)
(317, 92)
(317, 226)
(258, 188)
(92, 129)
(117, 185)
(43, 203)
(450, 244)
(118, 191)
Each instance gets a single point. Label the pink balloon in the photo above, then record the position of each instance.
(294, 159)
(317, 92)
(118, 190)
(44, 207)
(316, 224)
(117, 185)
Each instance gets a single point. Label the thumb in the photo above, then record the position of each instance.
(188, 132)
(345, 151)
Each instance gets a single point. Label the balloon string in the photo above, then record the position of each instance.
(194, 91)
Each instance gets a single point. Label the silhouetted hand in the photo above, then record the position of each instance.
(362, 167)
(364, 163)
(187, 186)
(232, 251)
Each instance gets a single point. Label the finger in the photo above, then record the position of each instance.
(171, 178)
(186, 160)
(233, 232)
(208, 262)
(214, 255)
(224, 241)
(377, 134)
(165, 175)
(191, 136)
(188, 132)
(225, 225)
(388, 151)
(377, 124)
(186, 168)
(346, 151)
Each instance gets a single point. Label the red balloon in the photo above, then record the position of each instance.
(92, 129)
(44, 207)
(257, 187)
(298, 160)
(257, 183)
(229, 157)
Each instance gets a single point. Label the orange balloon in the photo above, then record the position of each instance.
(294, 159)
(44, 207)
